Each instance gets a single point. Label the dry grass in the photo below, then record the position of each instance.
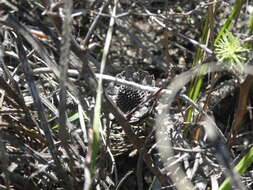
(61, 127)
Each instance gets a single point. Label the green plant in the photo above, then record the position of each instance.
(241, 168)
(230, 51)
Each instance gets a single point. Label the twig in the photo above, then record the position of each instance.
(75, 73)
(44, 124)
(222, 152)
(122, 180)
(64, 63)
(194, 42)
(241, 109)
(201, 5)
(93, 25)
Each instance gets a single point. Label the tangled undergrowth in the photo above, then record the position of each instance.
(126, 95)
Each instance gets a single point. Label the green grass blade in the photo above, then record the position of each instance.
(233, 16)
(240, 168)
(196, 84)
(71, 118)
(96, 128)
(97, 110)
